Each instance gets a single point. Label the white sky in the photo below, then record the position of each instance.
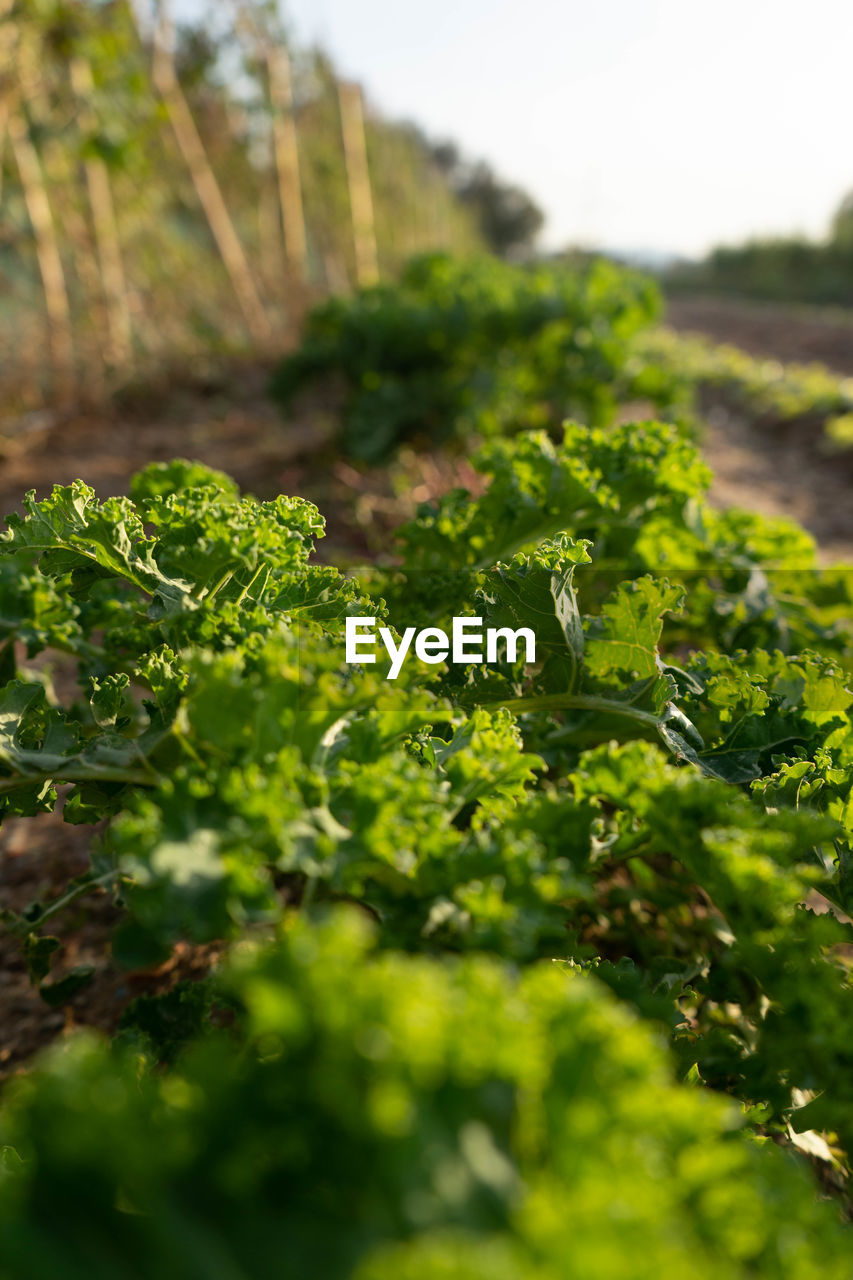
(638, 124)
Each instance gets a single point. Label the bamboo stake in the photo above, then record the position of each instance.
(106, 230)
(358, 178)
(274, 54)
(6, 39)
(4, 119)
(287, 159)
(61, 179)
(49, 259)
(206, 185)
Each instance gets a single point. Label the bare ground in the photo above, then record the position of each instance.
(799, 335)
(772, 471)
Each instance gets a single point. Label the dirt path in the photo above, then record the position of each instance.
(801, 335)
(228, 422)
(777, 472)
(754, 468)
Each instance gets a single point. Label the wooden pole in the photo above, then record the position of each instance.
(358, 179)
(6, 61)
(106, 230)
(4, 120)
(76, 238)
(273, 53)
(286, 145)
(49, 259)
(206, 185)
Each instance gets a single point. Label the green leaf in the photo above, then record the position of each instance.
(108, 699)
(65, 988)
(38, 953)
(625, 639)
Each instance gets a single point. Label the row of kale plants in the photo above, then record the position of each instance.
(457, 351)
(529, 971)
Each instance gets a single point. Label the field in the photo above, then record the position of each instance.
(334, 943)
(517, 969)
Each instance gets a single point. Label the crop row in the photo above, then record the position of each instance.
(529, 970)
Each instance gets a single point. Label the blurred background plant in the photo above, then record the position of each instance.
(784, 269)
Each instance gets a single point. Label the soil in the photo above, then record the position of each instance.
(781, 474)
(799, 335)
(777, 472)
(38, 857)
(228, 422)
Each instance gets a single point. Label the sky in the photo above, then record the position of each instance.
(654, 125)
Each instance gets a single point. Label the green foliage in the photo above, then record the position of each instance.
(383, 1115)
(479, 348)
(780, 269)
(163, 1025)
(660, 804)
(773, 395)
(509, 220)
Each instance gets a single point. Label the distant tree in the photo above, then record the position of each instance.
(841, 227)
(508, 218)
(447, 156)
